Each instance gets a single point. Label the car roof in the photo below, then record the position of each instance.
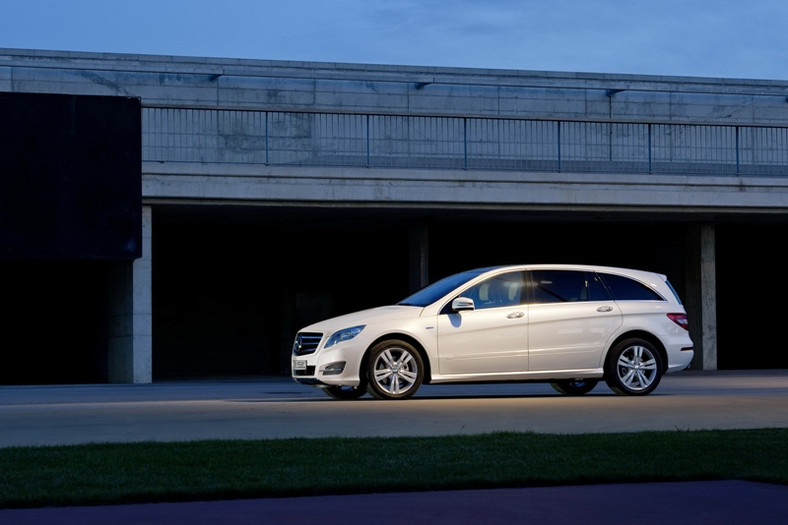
(641, 274)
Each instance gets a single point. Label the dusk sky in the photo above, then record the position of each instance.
(700, 38)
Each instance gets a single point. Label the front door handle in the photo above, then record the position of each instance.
(515, 315)
(604, 309)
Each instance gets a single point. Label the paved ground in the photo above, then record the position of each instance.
(279, 408)
(696, 503)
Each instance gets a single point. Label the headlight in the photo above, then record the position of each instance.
(345, 334)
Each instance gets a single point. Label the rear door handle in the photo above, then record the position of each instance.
(515, 315)
(604, 309)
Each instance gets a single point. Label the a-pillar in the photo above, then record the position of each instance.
(130, 323)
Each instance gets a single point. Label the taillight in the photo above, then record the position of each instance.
(680, 319)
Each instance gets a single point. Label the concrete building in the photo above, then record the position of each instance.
(273, 194)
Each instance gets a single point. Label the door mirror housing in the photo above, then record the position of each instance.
(462, 303)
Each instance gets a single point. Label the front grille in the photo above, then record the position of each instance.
(306, 343)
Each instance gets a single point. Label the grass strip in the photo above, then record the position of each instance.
(210, 470)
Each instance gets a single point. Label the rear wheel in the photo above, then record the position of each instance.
(634, 368)
(345, 392)
(575, 387)
(395, 370)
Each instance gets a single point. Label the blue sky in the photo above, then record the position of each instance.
(720, 38)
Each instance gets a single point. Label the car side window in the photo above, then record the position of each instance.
(562, 286)
(626, 289)
(502, 290)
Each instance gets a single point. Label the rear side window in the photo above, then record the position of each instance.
(626, 289)
(675, 293)
(563, 286)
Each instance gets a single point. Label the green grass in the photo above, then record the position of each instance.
(205, 470)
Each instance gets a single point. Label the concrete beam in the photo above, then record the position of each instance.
(255, 183)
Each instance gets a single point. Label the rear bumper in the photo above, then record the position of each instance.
(681, 360)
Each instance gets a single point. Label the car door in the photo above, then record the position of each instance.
(491, 338)
(570, 320)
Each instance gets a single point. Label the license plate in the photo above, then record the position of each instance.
(299, 364)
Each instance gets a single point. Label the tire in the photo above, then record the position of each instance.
(575, 387)
(395, 370)
(633, 368)
(345, 392)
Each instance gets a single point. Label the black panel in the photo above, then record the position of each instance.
(70, 177)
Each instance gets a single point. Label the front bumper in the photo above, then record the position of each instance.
(338, 366)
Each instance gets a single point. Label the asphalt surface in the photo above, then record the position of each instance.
(259, 408)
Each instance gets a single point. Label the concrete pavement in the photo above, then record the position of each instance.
(263, 408)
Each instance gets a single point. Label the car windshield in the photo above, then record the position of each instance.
(435, 291)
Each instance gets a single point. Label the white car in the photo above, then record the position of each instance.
(569, 325)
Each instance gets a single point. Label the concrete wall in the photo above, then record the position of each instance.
(261, 84)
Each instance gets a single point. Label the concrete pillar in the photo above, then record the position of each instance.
(130, 324)
(418, 254)
(700, 297)
(708, 286)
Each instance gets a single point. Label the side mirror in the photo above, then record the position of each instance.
(462, 303)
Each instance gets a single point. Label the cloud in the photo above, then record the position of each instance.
(723, 38)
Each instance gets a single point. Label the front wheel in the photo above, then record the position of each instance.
(574, 387)
(345, 392)
(634, 368)
(395, 370)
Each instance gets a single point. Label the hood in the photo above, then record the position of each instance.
(365, 317)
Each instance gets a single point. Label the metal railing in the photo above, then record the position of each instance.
(418, 142)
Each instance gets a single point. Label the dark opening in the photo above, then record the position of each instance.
(53, 321)
(232, 287)
(749, 287)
